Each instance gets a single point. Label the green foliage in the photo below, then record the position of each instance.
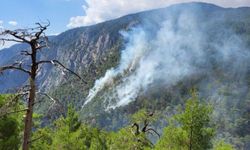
(126, 139)
(11, 123)
(195, 120)
(72, 119)
(136, 136)
(83, 138)
(230, 113)
(191, 129)
(142, 115)
(69, 134)
(174, 138)
(42, 139)
(221, 145)
(194, 131)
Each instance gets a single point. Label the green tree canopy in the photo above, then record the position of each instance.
(193, 130)
(10, 122)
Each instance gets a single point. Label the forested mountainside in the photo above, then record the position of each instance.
(151, 60)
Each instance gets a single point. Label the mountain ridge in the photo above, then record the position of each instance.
(91, 51)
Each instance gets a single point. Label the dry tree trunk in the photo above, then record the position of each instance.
(37, 40)
(31, 101)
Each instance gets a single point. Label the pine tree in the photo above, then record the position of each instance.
(193, 131)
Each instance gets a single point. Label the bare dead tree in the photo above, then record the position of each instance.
(37, 40)
(142, 127)
(145, 128)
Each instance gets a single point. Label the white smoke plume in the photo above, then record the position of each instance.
(176, 52)
(167, 61)
(133, 53)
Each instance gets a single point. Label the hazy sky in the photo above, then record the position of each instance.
(65, 14)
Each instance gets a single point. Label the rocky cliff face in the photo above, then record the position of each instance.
(91, 50)
(77, 49)
(83, 47)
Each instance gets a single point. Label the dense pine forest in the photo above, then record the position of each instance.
(174, 78)
(191, 128)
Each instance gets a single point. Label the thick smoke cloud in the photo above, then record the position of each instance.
(136, 48)
(179, 50)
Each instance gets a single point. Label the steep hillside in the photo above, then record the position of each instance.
(151, 60)
(79, 48)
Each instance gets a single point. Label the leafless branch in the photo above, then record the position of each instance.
(20, 36)
(26, 35)
(137, 128)
(25, 53)
(38, 138)
(145, 126)
(146, 123)
(5, 108)
(57, 63)
(51, 98)
(41, 46)
(42, 28)
(151, 129)
(15, 66)
(37, 40)
(10, 40)
(55, 101)
(12, 112)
